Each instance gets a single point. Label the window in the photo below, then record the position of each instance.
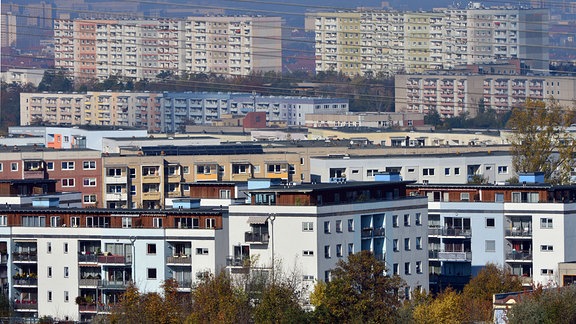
(499, 197)
(157, 222)
(68, 182)
(350, 225)
(132, 173)
(34, 221)
(68, 165)
(149, 171)
(3, 220)
(503, 169)
(546, 248)
(490, 222)
(464, 196)
(410, 170)
(327, 227)
(66, 296)
(65, 247)
(339, 250)
(407, 268)
(210, 222)
(418, 243)
(371, 172)
(132, 190)
(545, 222)
(338, 226)
(50, 166)
(224, 194)
(418, 219)
(407, 244)
(89, 182)
(446, 171)
(350, 248)
(202, 251)
(406, 219)
(395, 269)
(307, 253)
(327, 276)
(307, 226)
(418, 266)
(395, 221)
(186, 169)
(49, 272)
(66, 272)
(151, 273)
(48, 247)
(14, 166)
(490, 246)
(456, 171)
(395, 245)
(547, 272)
(428, 171)
(89, 199)
(89, 165)
(1, 167)
(49, 295)
(151, 248)
(327, 251)
(74, 221)
(126, 222)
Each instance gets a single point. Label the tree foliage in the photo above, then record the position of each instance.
(554, 305)
(360, 292)
(540, 140)
(445, 308)
(55, 80)
(491, 280)
(279, 304)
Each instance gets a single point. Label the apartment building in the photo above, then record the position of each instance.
(169, 111)
(144, 48)
(458, 168)
(57, 255)
(374, 41)
(159, 174)
(73, 170)
(452, 94)
(365, 119)
(307, 229)
(525, 227)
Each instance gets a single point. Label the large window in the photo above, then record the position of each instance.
(68, 165)
(34, 221)
(89, 165)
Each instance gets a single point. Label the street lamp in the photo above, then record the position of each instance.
(272, 217)
(132, 241)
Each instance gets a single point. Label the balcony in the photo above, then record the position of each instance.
(237, 261)
(151, 195)
(207, 177)
(116, 196)
(179, 260)
(115, 259)
(450, 231)
(26, 305)
(87, 258)
(519, 233)
(31, 174)
(88, 308)
(256, 238)
(25, 282)
(450, 256)
(522, 256)
(373, 232)
(24, 257)
(113, 284)
(116, 180)
(88, 283)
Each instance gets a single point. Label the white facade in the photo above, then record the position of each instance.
(310, 240)
(458, 168)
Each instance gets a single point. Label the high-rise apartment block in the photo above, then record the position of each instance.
(142, 49)
(372, 41)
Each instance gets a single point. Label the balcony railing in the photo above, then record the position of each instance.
(25, 282)
(88, 282)
(113, 284)
(232, 261)
(88, 258)
(519, 256)
(519, 232)
(115, 259)
(88, 308)
(25, 305)
(463, 256)
(371, 232)
(450, 231)
(251, 237)
(24, 257)
(184, 259)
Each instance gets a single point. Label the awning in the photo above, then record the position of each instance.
(257, 219)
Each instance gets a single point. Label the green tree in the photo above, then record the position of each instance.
(540, 141)
(491, 280)
(217, 300)
(55, 80)
(279, 304)
(360, 292)
(550, 306)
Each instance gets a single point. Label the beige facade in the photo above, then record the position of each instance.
(377, 41)
(452, 95)
(373, 120)
(142, 49)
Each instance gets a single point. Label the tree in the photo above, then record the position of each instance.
(554, 305)
(491, 280)
(216, 300)
(361, 292)
(55, 80)
(128, 309)
(445, 308)
(279, 304)
(540, 141)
